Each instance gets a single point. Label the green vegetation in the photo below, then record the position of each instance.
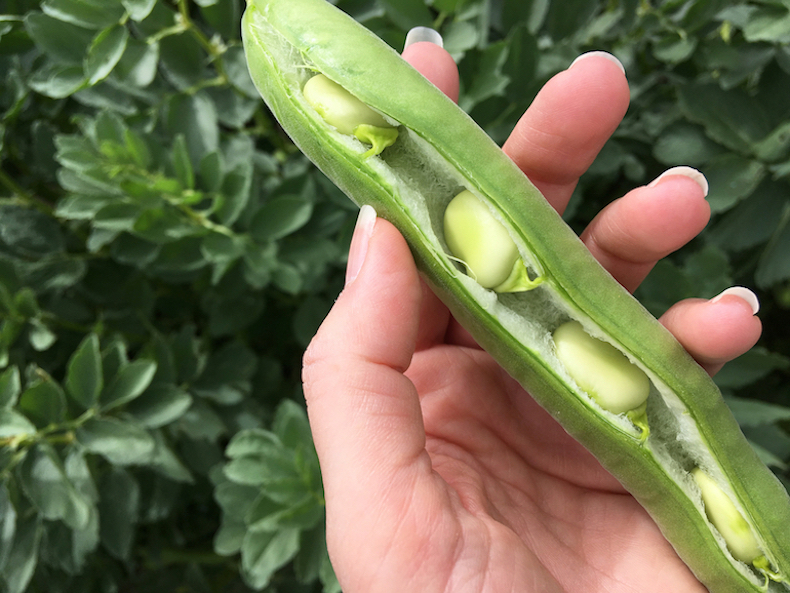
(166, 254)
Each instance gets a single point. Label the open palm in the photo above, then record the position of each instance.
(440, 472)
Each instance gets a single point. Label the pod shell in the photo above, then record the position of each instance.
(354, 57)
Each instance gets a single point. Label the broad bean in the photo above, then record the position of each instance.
(484, 246)
(349, 115)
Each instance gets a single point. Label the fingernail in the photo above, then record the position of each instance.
(743, 293)
(420, 34)
(366, 220)
(601, 54)
(689, 172)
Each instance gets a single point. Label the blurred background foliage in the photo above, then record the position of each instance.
(166, 255)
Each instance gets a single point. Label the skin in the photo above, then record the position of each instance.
(440, 472)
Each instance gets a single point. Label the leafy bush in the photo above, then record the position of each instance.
(166, 255)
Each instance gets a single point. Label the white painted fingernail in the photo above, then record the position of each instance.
(600, 54)
(685, 171)
(363, 230)
(743, 293)
(419, 34)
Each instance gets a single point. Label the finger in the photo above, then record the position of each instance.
(568, 123)
(424, 51)
(364, 414)
(631, 234)
(716, 331)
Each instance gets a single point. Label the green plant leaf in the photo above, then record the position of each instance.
(767, 457)
(58, 81)
(120, 442)
(308, 318)
(222, 15)
(236, 186)
(262, 553)
(751, 412)
(182, 60)
(312, 549)
(236, 500)
(229, 537)
(490, 80)
(188, 357)
(291, 425)
(276, 466)
(62, 42)
(750, 367)
(10, 387)
(160, 405)
(752, 221)
(138, 64)
(227, 373)
(117, 216)
(166, 462)
(7, 526)
(731, 178)
(253, 441)
(89, 14)
(47, 486)
(14, 424)
(23, 557)
(769, 23)
(138, 9)
(194, 117)
(408, 13)
(302, 512)
(774, 265)
(280, 217)
(164, 225)
(687, 144)
(138, 149)
(181, 163)
(130, 382)
(211, 171)
(44, 403)
(29, 232)
(728, 117)
(460, 37)
(118, 511)
(105, 52)
(84, 378)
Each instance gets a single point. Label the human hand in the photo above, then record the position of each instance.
(440, 472)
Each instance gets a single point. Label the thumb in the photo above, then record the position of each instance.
(364, 413)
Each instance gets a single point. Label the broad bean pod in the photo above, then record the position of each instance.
(439, 152)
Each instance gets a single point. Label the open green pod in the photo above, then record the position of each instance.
(440, 152)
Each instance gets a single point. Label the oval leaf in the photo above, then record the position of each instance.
(105, 52)
(131, 380)
(84, 373)
(121, 443)
(280, 217)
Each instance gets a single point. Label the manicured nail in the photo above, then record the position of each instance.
(743, 293)
(420, 34)
(689, 172)
(359, 242)
(601, 54)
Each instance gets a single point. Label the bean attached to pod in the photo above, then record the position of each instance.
(349, 115)
(729, 522)
(484, 246)
(603, 372)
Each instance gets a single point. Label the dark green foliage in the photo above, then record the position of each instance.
(166, 254)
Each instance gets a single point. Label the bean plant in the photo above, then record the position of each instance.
(166, 255)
